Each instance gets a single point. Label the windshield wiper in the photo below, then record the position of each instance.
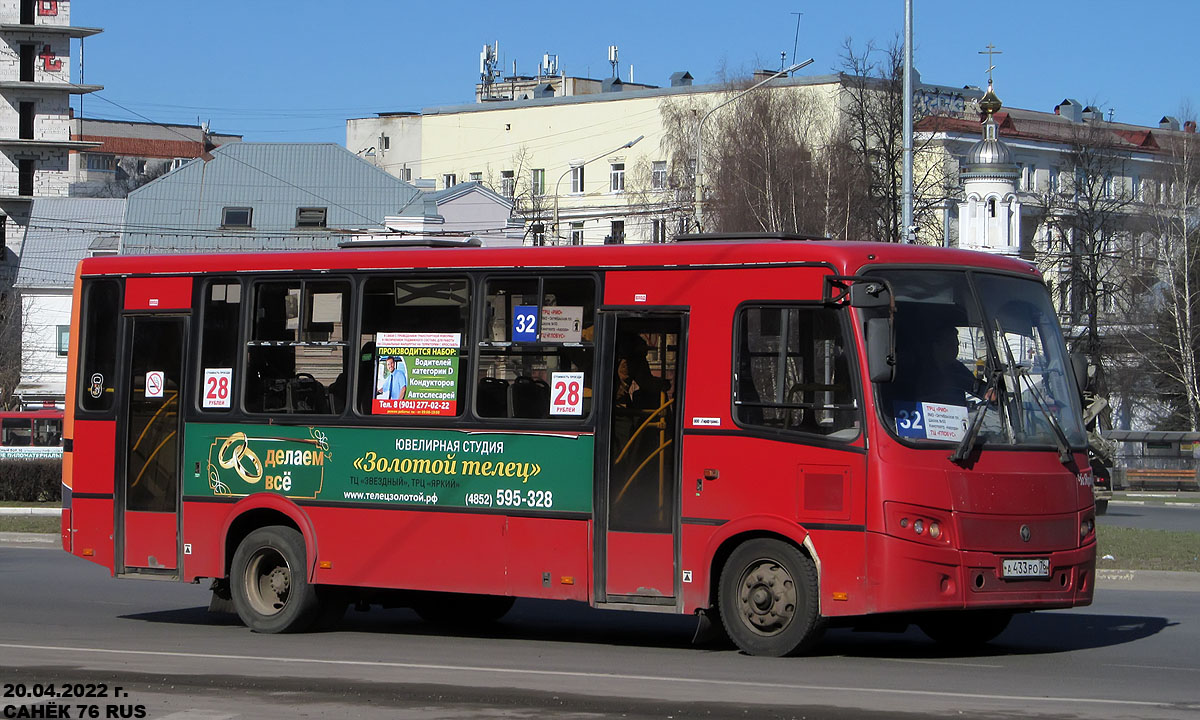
(1060, 437)
(967, 444)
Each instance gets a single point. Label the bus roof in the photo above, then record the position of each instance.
(845, 258)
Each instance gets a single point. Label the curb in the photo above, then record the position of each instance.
(30, 511)
(1154, 580)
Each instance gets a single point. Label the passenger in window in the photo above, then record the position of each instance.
(945, 379)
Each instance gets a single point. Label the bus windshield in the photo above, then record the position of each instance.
(983, 350)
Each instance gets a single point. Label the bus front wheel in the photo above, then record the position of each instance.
(768, 599)
(269, 582)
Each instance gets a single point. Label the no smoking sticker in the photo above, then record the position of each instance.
(155, 380)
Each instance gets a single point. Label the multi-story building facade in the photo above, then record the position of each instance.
(35, 87)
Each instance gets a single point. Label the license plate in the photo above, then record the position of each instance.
(1029, 567)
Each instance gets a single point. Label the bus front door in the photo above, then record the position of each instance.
(639, 495)
(148, 505)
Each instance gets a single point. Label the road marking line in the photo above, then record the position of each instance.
(1156, 667)
(938, 662)
(592, 675)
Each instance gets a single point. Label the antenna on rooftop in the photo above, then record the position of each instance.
(612, 58)
(488, 70)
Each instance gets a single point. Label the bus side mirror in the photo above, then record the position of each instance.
(1079, 366)
(881, 356)
(870, 294)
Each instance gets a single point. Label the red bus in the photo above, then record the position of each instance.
(31, 434)
(783, 433)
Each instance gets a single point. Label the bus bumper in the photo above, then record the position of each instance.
(921, 577)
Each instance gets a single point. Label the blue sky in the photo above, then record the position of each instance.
(277, 71)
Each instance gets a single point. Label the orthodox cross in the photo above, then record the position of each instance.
(990, 51)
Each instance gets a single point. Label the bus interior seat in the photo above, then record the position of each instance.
(493, 397)
(530, 398)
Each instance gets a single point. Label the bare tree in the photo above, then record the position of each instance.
(1086, 220)
(12, 322)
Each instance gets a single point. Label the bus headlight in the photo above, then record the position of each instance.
(917, 524)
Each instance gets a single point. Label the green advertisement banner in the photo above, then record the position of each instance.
(444, 468)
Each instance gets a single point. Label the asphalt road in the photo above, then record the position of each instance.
(1152, 516)
(1135, 654)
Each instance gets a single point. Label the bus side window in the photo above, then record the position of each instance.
(537, 342)
(98, 362)
(403, 309)
(792, 372)
(221, 324)
(298, 349)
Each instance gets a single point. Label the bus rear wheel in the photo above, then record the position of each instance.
(768, 599)
(269, 582)
(964, 630)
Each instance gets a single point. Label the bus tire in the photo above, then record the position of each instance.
(964, 629)
(1101, 507)
(768, 599)
(269, 582)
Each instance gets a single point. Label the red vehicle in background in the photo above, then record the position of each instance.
(779, 432)
(31, 434)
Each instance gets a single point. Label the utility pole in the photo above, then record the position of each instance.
(906, 229)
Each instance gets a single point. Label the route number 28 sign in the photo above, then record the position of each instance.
(566, 393)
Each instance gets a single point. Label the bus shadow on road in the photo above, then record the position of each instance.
(1029, 634)
(566, 622)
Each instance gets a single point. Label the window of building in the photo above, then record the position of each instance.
(536, 356)
(64, 339)
(1026, 173)
(577, 233)
(658, 230)
(792, 373)
(476, 177)
(508, 183)
(28, 58)
(616, 235)
(577, 179)
(179, 162)
(412, 347)
(95, 162)
(538, 182)
(1109, 186)
(237, 217)
(297, 351)
(616, 177)
(449, 180)
(386, 142)
(310, 217)
(220, 323)
(658, 175)
(406, 174)
(1053, 180)
(26, 111)
(25, 171)
(27, 11)
(991, 207)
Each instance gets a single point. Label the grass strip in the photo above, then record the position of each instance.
(1141, 549)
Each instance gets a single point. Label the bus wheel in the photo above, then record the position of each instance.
(768, 599)
(963, 630)
(269, 582)
(1101, 507)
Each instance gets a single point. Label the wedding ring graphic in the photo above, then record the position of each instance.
(236, 454)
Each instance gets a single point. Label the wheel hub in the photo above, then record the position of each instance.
(768, 597)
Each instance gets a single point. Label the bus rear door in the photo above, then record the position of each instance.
(638, 524)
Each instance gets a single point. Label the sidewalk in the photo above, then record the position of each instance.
(1177, 498)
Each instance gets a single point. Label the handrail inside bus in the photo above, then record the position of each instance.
(642, 427)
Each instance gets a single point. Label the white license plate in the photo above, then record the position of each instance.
(1029, 567)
